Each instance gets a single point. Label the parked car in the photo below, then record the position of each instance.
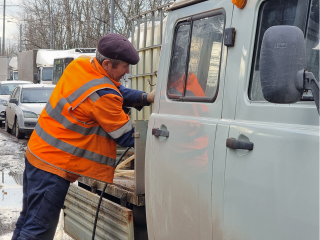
(24, 107)
(6, 87)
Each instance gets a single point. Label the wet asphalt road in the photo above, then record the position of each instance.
(12, 153)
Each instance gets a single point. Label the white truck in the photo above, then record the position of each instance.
(37, 65)
(231, 149)
(62, 61)
(13, 68)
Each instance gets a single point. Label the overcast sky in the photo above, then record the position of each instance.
(12, 14)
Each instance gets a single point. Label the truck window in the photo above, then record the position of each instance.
(195, 61)
(300, 13)
(47, 74)
(15, 75)
(59, 65)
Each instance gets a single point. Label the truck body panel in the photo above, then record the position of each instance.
(273, 188)
(189, 148)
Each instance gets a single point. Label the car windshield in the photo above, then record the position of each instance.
(47, 74)
(36, 95)
(6, 89)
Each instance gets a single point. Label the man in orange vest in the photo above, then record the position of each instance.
(77, 133)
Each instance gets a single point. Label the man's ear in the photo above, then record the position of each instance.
(106, 63)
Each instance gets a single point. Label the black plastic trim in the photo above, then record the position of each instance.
(215, 12)
(184, 5)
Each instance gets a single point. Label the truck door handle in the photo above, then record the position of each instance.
(160, 133)
(237, 144)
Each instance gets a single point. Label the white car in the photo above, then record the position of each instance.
(6, 87)
(24, 107)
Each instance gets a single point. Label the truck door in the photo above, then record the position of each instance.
(180, 164)
(272, 191)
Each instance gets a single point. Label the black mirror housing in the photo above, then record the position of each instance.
(282, 63)
(35, 77)
(12, 100)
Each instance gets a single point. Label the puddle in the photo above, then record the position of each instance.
(10, 189)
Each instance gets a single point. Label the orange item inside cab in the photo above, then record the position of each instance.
(240, 3)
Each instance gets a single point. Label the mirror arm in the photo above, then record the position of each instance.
(310, 83)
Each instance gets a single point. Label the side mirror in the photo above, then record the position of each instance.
(3, 114)
(12, 100)
(35, 77)
(282, 66)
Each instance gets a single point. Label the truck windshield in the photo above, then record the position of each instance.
(15, 75)
(36, 95)
(47, 74)
(300, 13)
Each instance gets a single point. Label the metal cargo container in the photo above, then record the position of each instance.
(27, 65)
(4, 68)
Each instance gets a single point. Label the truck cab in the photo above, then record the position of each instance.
(220, 161)
(44, 75)
(60, 63)
(209, 92)
(13, 67)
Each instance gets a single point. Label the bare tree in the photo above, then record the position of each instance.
(77, 23)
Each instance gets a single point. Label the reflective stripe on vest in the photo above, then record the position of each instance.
(62, 138)
(75, 95)
(83, 153)
(119, 132)
(56, 114)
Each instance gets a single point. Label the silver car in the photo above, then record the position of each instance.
(6, 87)
(24, 107)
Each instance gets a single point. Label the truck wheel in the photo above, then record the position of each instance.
(6, 127)
(16, 130)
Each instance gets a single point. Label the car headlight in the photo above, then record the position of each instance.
(27, 114)
(3, 102)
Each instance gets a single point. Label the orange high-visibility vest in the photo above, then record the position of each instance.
(193, 85)
(65, 142)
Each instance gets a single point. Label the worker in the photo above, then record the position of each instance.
(177, 85)
(77, 133)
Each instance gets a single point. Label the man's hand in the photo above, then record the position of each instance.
(150, 97)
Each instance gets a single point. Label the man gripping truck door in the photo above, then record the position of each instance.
(77, 133)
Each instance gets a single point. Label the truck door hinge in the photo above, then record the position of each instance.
(136, 135)
(229, 37)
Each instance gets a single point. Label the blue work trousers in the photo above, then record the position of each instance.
(43, 197)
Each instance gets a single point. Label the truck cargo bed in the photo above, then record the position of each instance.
(123, 187)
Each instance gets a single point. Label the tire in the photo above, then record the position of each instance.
(6, 127)
(16, 131)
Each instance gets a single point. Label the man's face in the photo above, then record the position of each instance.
(115, 73)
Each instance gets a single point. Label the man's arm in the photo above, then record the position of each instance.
(107, 111)
(135, 98)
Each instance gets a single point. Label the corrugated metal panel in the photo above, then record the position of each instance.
(148, 29)
(114, 222)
